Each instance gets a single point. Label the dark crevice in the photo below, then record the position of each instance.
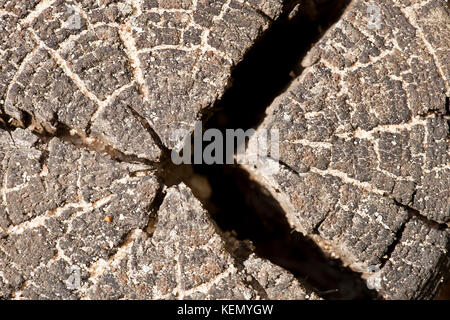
(45, 154)
(444, 293)
(246, 208)
(6, 123)
(439, 279)
(26, 119)
(287, 167)
(241, 251)
(411, 211)
(414, 213)
(447, 105)
(239, 204)
(258, 288)
(151, 131)
(66, 134)
(319, 224)
(271, 64)
(393, 245)
(154, 209)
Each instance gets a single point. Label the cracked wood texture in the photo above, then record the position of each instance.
(163, 62)
(185, 258)
(65, 206)
(90, 112)
(365, 145)
(118, 84)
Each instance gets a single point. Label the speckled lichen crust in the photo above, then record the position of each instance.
(365, 144)
(165, 60)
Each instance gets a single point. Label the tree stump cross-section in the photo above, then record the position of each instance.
(91, 93)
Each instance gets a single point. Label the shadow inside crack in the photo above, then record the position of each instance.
(272, 63)
(240, 204)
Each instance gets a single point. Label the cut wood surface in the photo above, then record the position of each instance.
(91, 93)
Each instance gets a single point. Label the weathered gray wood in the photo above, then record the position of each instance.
(185, 258)
(102, 85)
(63, 207)
(67, 211)
(365, 146)
(129, 71)
(166, 61)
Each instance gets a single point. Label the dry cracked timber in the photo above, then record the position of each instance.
(87, 116)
